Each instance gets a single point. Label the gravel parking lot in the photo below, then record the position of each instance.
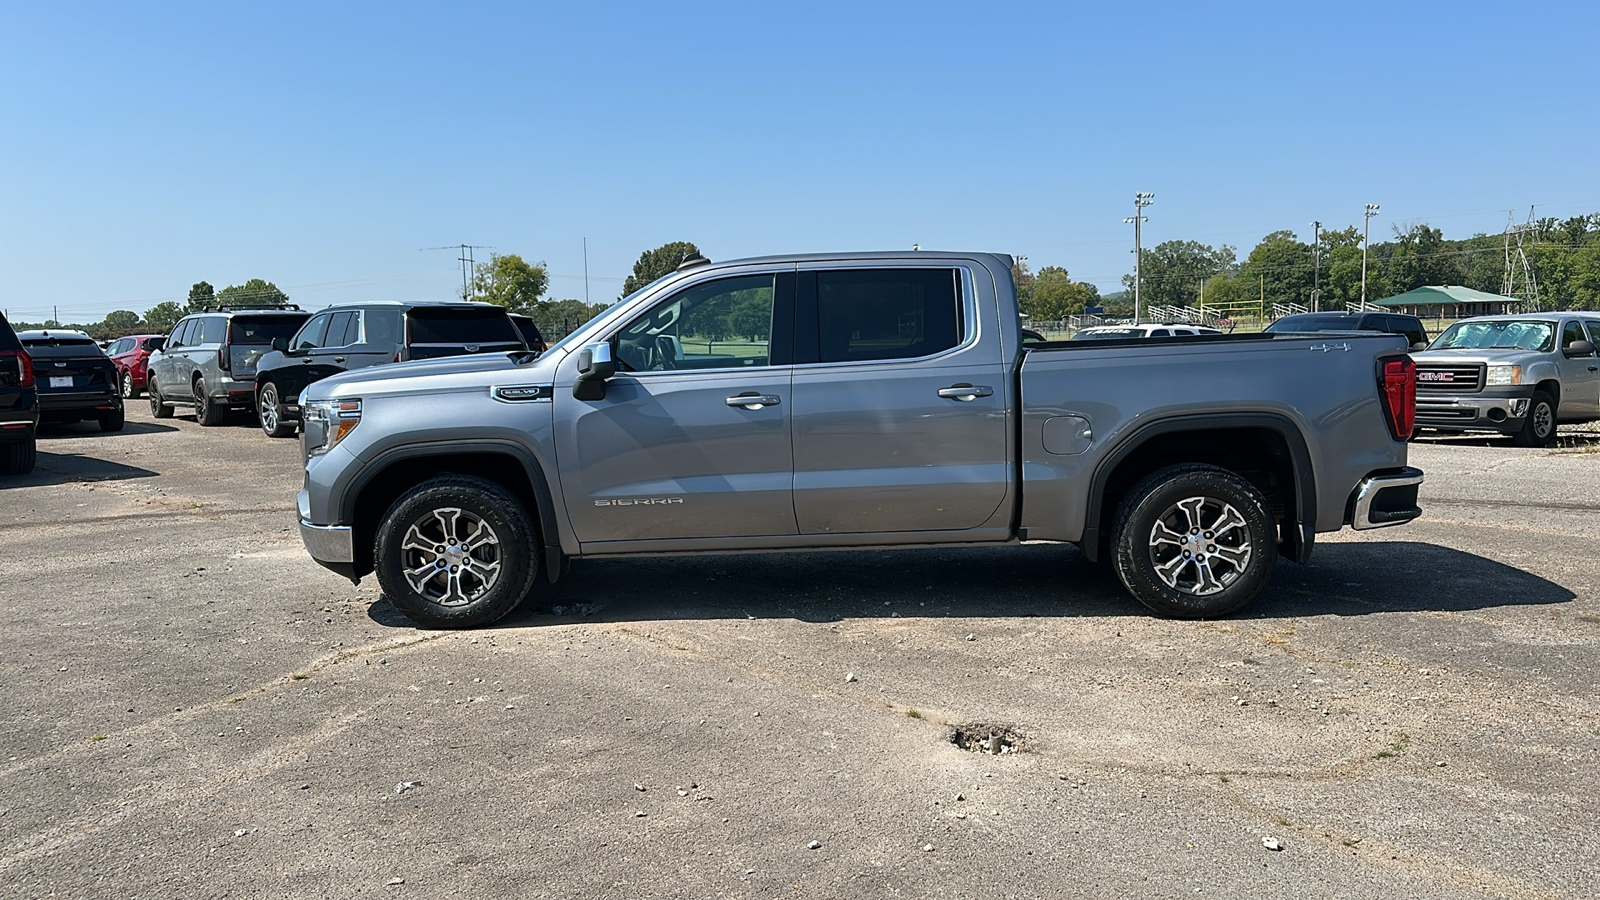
(194, 708)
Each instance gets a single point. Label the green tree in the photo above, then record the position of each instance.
(121, 322)
(557, 318)
(510, 281)
(163, 315)
(1055, 296)
(1282, 264)
(201, 295)
(1023, 280)
(254, 292)
(1172, 272)
(653, 264)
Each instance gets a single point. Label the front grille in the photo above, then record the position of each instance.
(1434, 377)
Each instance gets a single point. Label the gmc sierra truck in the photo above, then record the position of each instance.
(852, 400)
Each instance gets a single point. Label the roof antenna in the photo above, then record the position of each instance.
(694, 259)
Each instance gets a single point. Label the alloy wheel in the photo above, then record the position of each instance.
(451, 556)
(1200, 545)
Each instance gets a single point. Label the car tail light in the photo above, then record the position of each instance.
(1397, 385)
(225, 358)
(399, 356)
(24, 366)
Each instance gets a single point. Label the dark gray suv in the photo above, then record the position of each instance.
(357, 335)
(209, 361)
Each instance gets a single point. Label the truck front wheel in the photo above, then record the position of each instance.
(1194, 541)
(455, 552)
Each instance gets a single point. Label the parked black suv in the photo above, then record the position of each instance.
(357, 335)
(1391, 323)
(19, 404)
(75, 379)
(209, 361)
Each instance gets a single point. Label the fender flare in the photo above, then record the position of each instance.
(549, 532)
(1305, 485)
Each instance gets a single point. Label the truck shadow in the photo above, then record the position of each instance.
(1033, 580)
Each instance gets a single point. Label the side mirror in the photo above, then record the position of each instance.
(1579, 348)
(594, 367)
(1419, 346)
(280, 344)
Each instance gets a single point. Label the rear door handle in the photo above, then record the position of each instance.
(753, 400)
(338, 359)
(965, 392)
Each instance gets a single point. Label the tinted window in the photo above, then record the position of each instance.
(311, 335)
(1594, 332)
(180, 334)
(63, 346)
(383, 326)
(1314, 322)
(887, 313)
(1570, 332)
(1161, 332)
(262, 329)
(715, 325)
(461, 325)
(1410, 326)
(215, 330)
(339, 330)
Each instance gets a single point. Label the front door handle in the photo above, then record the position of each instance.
(965, 392)
(305, 359)
(753, 400)
(338, 359)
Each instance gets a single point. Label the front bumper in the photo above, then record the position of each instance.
(1491, 409)
(1385, 499)
(332, 546)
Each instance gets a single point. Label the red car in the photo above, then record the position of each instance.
(130, 355)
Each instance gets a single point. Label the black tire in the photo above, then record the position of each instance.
(1539, 428)
(18, 457)
(113, 421)
(432, 510)
(157, 408)
(129, 392)
(1176, 577)
(206, 412)
(269, 409)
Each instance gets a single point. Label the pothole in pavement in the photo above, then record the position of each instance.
(991, 739)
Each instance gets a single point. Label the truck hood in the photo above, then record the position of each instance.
(446, 374)
(1511, 356)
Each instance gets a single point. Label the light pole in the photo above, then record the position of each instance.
(1316, 266)
(1140, 201)
(1366, 226)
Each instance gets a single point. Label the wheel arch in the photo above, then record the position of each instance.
(393, 472)
(1267, 449)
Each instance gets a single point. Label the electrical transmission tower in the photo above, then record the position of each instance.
(468, 264)
(1519, 281)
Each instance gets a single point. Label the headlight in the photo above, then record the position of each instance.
(1503, 375)
(327, 422)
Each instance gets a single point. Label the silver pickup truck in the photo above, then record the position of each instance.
(852, 400)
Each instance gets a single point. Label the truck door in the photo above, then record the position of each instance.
(900, 403)
(692, 437)
(1580, 378)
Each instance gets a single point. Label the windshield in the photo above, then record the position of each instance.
(1109, 334)
(1314, 322)
(1501, 334)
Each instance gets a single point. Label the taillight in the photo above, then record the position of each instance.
(24, 366)
(1397, 385)
(400, 356)
(224, 358)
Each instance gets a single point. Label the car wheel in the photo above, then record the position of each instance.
(128, 391)
(157, 408)
(206, 412)
(17, 458)
(456, 551)
(1194, 541)
(270, 409)
(113, 421)
(1539, 428)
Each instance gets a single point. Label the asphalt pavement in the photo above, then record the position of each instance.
(193, 708)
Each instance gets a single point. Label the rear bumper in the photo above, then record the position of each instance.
(78, 404)
(1385, 499)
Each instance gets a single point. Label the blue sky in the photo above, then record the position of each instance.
(144, 147)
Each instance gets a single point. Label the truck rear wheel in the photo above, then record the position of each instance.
(456, 552)
(1194, 541)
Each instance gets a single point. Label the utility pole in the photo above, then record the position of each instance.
(1316, 266)
(1140, 201)
(1366, 226)
(468, 264)
(585, 271)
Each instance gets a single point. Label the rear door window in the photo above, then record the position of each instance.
(880, 314)
(461, 325)
(180, 334)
